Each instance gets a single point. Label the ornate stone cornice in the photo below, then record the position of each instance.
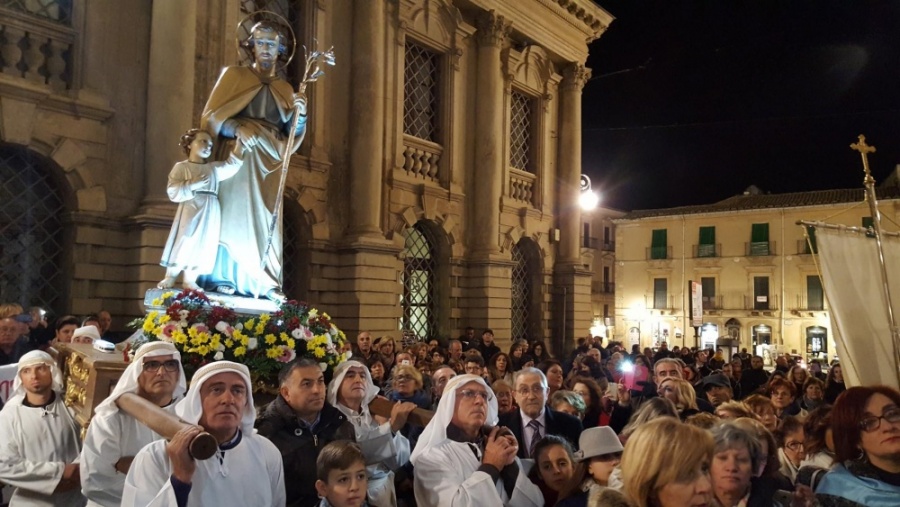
(575, 76)
(493, 29)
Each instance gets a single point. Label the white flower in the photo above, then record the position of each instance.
(297, 333)
(333, 331)
(313, 313)
(252, 343)
(347, 355)
(223, 327)
(324, 366)
(183, 314)
(219, 356)
(221, 348)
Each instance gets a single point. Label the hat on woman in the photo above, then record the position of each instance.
(597, 442)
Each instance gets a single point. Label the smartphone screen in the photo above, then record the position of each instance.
(641, 374)
(628, 379)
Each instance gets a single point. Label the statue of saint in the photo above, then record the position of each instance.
(194, 185)
(256, 107)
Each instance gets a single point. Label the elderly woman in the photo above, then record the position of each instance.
(784, 397)
(386, 346)
(672, 475)
(569, 402)
(506, 401)
(769, 465)
(383, 446)
(791, 448)
(682, 394)
(813, 394)
(554, 467)
(738, 455)
(866, 423)
(407, 386)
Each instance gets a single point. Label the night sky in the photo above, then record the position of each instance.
(692, 101)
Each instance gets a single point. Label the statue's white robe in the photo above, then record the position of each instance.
(36, 444)
(447, 476)
(249, 474)
(109, 439)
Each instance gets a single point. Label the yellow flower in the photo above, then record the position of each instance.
(273, 353)
(192, 332)
(250, 324)
(149, 326)
(285, 337)
(245, 341)
(229, 343)
(240, 351)
(319, 353)
(156, 302)
(264, 318)
(203, 350)
(165, 318)
(260, 328)
(179, 337)
(270, 339)
(290, 343)
(203, 337)
(214, 343)
(238, 335)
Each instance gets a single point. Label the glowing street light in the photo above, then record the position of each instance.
(588, 199)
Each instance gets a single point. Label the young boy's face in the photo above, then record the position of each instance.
(345, 488)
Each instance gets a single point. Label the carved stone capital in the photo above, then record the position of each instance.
(575, 76)
(493, 29)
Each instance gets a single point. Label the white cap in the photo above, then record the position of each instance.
(191, 407)
(32, 358)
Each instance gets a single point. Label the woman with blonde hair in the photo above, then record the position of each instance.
(734, 409)
(672, 475)
(387, 347)
(654, 408)
(682, 394)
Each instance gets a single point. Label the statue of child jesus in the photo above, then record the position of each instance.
(194, 185)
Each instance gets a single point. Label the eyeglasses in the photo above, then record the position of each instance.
(535, 390)
(891, 415)
(153, 366)
(795, 446)
(470, 395)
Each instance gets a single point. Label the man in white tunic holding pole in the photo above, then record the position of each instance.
(39, 440)
(114, 437)
(247, 468)
(456, 465)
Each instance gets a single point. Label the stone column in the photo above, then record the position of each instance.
(574, 78)
(170, 97)
(571, 279)
(367, 118)
(487, 179)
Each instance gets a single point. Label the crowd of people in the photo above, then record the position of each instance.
(598, 427)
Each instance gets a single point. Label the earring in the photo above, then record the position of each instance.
(862, 455)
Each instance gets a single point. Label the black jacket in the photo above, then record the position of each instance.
(556, 423)
(300, 447)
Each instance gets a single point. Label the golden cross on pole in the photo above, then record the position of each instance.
(864, 149)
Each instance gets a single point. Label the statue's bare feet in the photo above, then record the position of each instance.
(166, 283)
(225, 289)
(192, 286)
(276, 295)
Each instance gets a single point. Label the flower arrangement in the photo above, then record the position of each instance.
(204, 331)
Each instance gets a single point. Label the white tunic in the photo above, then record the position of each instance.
(110, 438)
(447, 475)
(249, 474)
(36, 444)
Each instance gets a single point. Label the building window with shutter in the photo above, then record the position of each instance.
(760, 292)
(759, 240)
(815, 296)
(660, 293)
(811, 246)
(708, 285)
(659, 244)
(707, 243)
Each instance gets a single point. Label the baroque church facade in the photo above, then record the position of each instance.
(437, 187)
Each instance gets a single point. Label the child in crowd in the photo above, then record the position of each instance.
(341, 474)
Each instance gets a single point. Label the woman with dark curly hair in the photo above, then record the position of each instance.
(866, 424)
(517, 352)
(499, 367)
(834, 384)
(591, 391)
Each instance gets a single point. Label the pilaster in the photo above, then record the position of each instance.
(569, 168)
(572, 294)
(485, 297)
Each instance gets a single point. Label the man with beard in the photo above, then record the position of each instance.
(300, 422)
(114, 437)
(456, 464)
(246, 469)
(39, 437)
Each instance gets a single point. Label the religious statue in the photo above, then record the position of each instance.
(253, 105)
(194, 185)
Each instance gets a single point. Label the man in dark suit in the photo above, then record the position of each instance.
(534, 419)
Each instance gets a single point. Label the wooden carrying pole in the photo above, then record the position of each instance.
(203, 446)
(419, 416)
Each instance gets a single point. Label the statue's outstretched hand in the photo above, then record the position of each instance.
(300, 103)
(246, 135)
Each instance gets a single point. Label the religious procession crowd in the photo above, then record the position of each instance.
(600, 427)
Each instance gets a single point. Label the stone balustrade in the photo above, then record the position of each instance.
(37, 50)
(521, 186)
(421, 159)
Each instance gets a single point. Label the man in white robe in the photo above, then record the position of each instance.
(39, 438)
(247, 468)
(114, 437)
(384, 447)
(457, 466)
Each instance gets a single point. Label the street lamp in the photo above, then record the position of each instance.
(588, 199)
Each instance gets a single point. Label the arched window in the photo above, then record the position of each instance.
(418, 300)
(31, 239)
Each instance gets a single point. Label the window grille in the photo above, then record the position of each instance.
(30, 231)
(287, 10)
(520, 132)
(521, 294)
(420, 92)
(418, 298)
(58, 11)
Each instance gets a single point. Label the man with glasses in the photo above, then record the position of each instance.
(457, 464)
(300, 422)
(534, 420)
(114, 437)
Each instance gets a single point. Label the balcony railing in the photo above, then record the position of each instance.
(759, 248)
(666, 303)
(36, 49)
(659, 252)
(521, 186)
(760, 302)
(802, 302)
(598, 244)
(713, 302)
(803, 247)
(708, 250)
(421, 158)
(603, 287)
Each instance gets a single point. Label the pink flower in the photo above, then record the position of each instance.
(287, 355)
(168, 329)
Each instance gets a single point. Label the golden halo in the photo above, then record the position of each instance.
(256, 17)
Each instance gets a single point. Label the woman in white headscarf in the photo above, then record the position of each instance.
(457, 466)
(385, 448)
(114, 437)
(39, 437)
(246, 470)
